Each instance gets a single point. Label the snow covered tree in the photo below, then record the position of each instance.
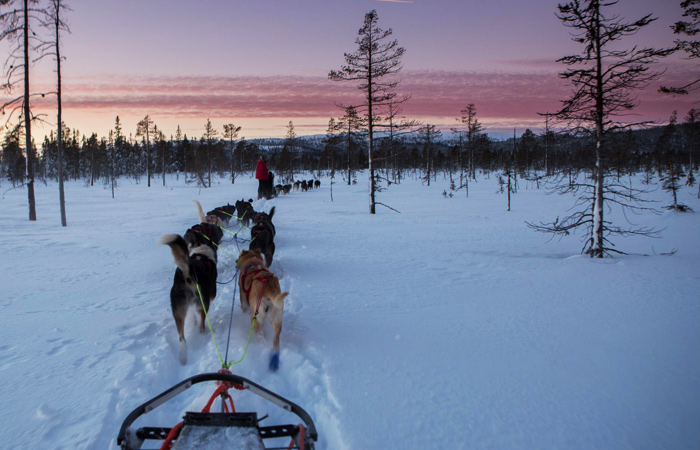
(372, 66)
(13, 160)
(604, 78)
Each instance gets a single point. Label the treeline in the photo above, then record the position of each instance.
(94, 159)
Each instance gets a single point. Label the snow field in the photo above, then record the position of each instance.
(450, 323)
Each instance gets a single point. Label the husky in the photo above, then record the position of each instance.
(194, 283)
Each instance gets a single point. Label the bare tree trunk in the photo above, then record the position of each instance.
(28, 118)
(372, 203)
(148, 155)
(162, 152)
(597, 249)
(61, 190)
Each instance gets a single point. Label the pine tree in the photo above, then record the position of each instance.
(145, 131)
(231, 133)
(209, 137)
(375, 62)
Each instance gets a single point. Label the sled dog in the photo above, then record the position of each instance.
(196, 273)
(261, 294)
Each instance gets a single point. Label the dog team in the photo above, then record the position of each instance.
(304, 185)
(196, 259)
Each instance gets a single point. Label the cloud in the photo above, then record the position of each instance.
(503, 99)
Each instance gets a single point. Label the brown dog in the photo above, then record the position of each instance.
(261, 294)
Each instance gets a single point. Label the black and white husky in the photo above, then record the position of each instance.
(195, 268)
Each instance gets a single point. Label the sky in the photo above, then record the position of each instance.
(260, 64)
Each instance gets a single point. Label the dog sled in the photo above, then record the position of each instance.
(228, 429)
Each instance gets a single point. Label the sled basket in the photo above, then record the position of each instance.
(206, 430)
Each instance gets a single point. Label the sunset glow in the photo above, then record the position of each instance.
(253, 66)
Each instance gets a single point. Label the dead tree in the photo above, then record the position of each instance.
(54, 22)
(604, 78)
(15, 18)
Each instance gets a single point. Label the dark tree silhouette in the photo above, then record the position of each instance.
(15, 26)
(375, 61)
(604, 78)
(145, 131)
(54, 22)
(691, 47)
(231, 133)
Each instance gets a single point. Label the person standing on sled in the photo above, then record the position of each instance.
(262, 177)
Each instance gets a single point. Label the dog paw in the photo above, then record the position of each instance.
(183, 352)
(275, 362)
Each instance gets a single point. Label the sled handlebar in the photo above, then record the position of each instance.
(226, 377)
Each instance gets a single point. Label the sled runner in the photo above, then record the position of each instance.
(228, 429)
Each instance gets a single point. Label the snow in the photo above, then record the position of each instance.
(450, 324)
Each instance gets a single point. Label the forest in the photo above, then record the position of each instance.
(654, 153)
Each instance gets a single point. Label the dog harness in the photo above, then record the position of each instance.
(205, 229)
(255, 270)
(222, 210)
(206, 263)
(259, 228)
(245, 208)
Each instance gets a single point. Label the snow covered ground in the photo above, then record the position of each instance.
(449, 325)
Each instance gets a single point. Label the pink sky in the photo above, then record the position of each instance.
(260, 64)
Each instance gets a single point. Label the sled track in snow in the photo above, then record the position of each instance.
(152, 349)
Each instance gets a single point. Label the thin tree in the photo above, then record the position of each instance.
(471, 132)
(159, 139)
(117, 145)
(604, 78)
(144, 129)
(331, 141)
(395, 128)
(429, 134)
(54, 22)
(350, 126)
(15, 23)
(231, 133)
(669, 150)
(209, 137)
(375, 61)
(692, 121)
(290, 143)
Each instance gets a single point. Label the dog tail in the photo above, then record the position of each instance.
(200, 213)
(279, 300)
(178, 246)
